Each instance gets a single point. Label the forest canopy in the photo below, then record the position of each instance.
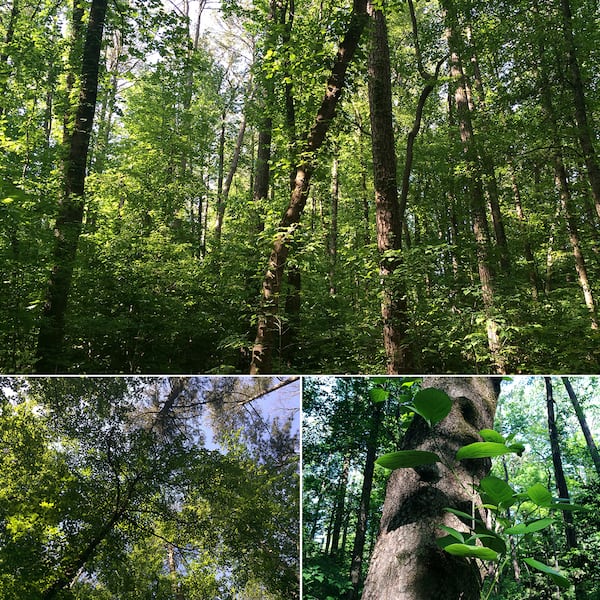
(124, 488)
(299, 186)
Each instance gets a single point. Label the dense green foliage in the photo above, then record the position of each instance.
(158, 289)
(124, 488)
(525, 522)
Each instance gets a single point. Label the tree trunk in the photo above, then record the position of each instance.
(333, 226)
(271, 285)
(559, 474)
(5, 66)
(340, 504)
(224, 190)
(583, 423)
(534, 279)
(584, 131)
(407, 564)
(480, 225)
(365, 501)
(387, 210)
(70, 214)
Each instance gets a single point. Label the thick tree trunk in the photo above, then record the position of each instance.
(407, 563)
(70, 214)
(583, 424)
(559, 474)
(387, 210)
(365, 501)
(271, 285)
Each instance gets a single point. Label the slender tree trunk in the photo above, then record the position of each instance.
(562, 185)
(333, 225)
(584, 130)
(271, 285)
(529, 256)
(365, 501)
(480, 225)
(559, 474)
(407, 563)
(70, 214)
(387, 210)
(583, 423)
(224, 195)
(5, 67)
(340, 504)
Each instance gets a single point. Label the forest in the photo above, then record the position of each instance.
(164, 488)
(299, 186)
(476, 488)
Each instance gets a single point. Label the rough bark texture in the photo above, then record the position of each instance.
(267, 315)
(70, 214)
(407, 564)
(387, 210)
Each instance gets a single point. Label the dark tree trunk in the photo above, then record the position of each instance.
(70, 214)
(584, 131)
(267, 315)
(365, 501)
(583, 423)
(5, 66)
(559, 474)
(387, 210)
(340, 504)
(407, 563)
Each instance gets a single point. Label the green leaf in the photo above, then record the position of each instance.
(457, 535)
(539, 495)
(407, 458)
(498, 490)
(378, 395)
(568, 506)
(460, 513)
(523, 529)
(471, 551)
(489, 435)
(432, 404)
(482, 450)
(559, 579)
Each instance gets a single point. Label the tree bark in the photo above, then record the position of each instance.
(271, 285)
(559, 474)
(387, 209)
(407, 564)
(70, 214)
(338, 509)
(583, 424)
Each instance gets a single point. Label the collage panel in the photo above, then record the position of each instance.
(166, 488)
(451, 488)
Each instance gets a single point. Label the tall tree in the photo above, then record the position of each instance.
(262, 351)
(589, 440)
(387, 209)
(559, 473)
(71, 206)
